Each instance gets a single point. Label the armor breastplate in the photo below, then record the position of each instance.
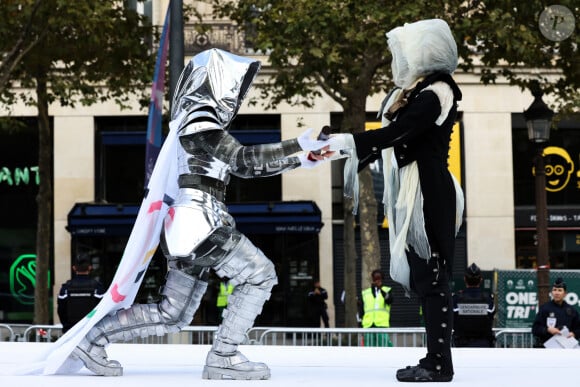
(193, 160)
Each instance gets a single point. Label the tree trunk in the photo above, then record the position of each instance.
(369, 236)
(350, 260)
(44, 204)
(354, 121)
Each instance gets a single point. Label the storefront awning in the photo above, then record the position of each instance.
(296, 217)
(277, 217)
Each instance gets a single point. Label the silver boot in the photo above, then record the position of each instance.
(235, 366)
(224, 361)
(95, 359)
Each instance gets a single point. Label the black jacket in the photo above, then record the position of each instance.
(415, 137)
(473, 313)
(565, 315)
(77, 297)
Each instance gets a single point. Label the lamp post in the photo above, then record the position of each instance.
(538, 120)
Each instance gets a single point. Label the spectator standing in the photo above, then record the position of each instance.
(554, 315)
(79, 295)
(226, 288)
(376, 310)
(317, 299)
(473, 312)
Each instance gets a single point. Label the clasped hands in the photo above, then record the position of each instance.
(319, 151)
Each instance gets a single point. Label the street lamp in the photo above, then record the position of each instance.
(538, 120)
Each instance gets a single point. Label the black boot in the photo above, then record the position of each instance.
(429, 280)
(420, 374)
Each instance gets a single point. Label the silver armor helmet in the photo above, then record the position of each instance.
(211, 89)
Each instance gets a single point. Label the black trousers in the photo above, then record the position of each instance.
(430, 280)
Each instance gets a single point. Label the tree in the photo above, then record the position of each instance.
(511, 39)
(17, 20)
(339, 48)
(81, 52)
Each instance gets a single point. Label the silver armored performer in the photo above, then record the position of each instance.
(199, 234)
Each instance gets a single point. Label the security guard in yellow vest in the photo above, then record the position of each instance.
(222, 299)
(376, 305)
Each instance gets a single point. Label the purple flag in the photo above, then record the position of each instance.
(153, 144)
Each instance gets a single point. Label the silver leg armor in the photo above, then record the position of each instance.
(255, 275)
(181, 297)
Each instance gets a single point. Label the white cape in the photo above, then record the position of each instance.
(141, 246)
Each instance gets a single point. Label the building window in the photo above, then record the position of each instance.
(19, 182)
(120, 159)
(562, 160)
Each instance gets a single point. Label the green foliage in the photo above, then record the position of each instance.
(87, 51)
(505, 39)
(339, 46)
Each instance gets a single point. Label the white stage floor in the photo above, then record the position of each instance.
(159, 365)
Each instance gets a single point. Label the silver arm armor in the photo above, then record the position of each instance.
(248, 161)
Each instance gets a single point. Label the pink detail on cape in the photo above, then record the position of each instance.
(155, 206)
(115, 295)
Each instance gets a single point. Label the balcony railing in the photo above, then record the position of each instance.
(224, 35)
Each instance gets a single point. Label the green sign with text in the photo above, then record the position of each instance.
(517, 295)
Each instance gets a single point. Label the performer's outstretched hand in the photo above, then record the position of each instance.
(340, 141)
(314, 159)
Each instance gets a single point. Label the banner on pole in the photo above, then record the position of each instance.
(153, 144)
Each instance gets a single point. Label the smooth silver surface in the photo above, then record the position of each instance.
(211, 89)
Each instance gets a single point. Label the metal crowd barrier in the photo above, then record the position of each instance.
(514, 338)
(189, 335)
(193, 334)
(6, 333)
(42, 333)
(348, 337)
(291, 336)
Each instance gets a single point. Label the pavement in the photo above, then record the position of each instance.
(158, 365)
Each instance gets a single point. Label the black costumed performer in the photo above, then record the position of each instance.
(423, 201)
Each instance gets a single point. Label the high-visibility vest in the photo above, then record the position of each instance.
(225, 291)
(376, 312)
